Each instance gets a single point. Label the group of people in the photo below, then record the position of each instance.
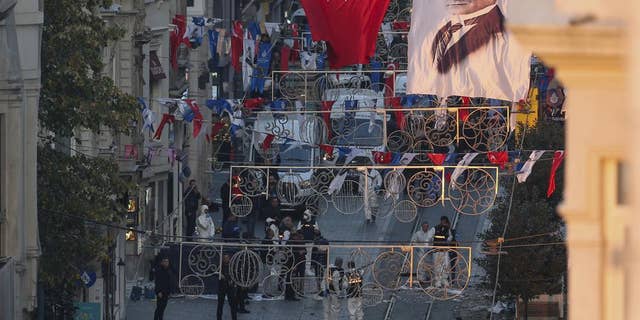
(444, 261)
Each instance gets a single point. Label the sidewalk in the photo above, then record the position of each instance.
(201, 309)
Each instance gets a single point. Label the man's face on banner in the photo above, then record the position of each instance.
(467, 6)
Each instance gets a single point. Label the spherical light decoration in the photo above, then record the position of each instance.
(245, 268)
(349, 199)
(405, 211)
(313, 130)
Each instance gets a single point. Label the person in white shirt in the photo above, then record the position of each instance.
(423, 237)
(468, 53)
(373, 181)
(206, 227)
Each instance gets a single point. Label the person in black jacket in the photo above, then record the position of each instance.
(163, 281)
(224, 195)
(191, 199)
(227, 288)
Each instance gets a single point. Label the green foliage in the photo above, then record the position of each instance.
(71, 188)
(527, 272)
(74, 92)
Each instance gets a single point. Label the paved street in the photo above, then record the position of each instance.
(337, 226)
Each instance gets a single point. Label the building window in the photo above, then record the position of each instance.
(190, 3)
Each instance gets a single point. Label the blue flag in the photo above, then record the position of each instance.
(219, 106)
(376, 77)
(262, 67)
(409, 100)
(213, 45)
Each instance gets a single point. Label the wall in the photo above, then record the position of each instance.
(19, 94)
(593, 61)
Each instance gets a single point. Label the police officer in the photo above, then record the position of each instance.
(442, 238)
(335, 285)
(354, 292)
(227, 288)
(307, 228)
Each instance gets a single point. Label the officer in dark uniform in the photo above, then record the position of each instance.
(442, 233)
(227, 288)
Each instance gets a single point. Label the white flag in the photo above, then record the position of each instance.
(528, 166)
(466, 160)
(337, 183)
(462, 48)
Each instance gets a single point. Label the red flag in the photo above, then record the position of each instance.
(464, 112)
(498, 157)
(266, 143)
(176, 37)
(326, 106)
(558, 156)
(382, 157)
(236, 45)
(285, 52)
(165, 118)
(295, 51)
(437, 158)
(197, 117)
(395, 103)
(390, 80)
(327, 149)
(400, 26)
(253, 103)
(351, 35)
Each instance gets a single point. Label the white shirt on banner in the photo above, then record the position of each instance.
(492, 65)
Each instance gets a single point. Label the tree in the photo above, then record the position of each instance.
(75, 190)
(74, 91)
(529, 271)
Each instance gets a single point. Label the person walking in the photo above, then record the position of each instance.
(354, 292)
(191, 198)
(335, 285)
(372, 180)
(226, 289)
(307, 228)
(205, 226)
(163, 282)
(319, 255)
